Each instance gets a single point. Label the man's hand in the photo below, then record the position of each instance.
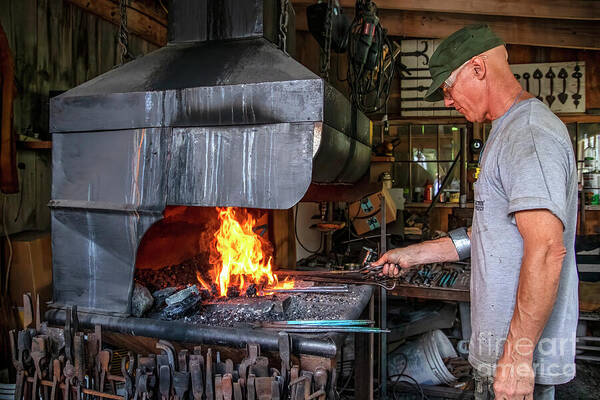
(394, 259)
(515, 378)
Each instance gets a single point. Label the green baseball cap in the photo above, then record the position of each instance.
(454, 51)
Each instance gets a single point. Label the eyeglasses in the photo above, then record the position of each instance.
(451, 80)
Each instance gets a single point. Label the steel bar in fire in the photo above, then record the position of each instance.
(312, 289)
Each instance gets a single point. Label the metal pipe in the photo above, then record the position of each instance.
(383, 311)
(363, 238)
(180, 331)
(444, 183)
(463, 163)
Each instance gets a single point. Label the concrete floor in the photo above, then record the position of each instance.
(586, 384)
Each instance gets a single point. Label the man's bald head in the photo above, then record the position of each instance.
(484, 86)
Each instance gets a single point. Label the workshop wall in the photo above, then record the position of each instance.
(307, 51)
(55, 46)
(518, 54)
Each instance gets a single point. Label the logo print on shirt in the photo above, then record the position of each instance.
(479, 205)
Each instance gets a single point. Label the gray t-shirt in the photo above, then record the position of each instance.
(528, 163)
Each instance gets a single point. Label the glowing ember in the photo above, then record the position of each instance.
(202, 281)
(238, 256)
(284, 285)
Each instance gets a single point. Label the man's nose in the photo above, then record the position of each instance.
(448, 102)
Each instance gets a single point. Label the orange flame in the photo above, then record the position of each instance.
(237, 254)
(287, 284)
(201, 281)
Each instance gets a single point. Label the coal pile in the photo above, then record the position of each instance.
(179, 275)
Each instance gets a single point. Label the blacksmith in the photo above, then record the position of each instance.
(524, 304)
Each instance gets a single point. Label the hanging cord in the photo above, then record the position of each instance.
(163, 7)
(283, 24)
(298, 239)
(371, 61)
(124, 33)
(325, 59)
(20, 194)
(10, 248)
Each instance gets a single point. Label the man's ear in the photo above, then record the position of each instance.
(479, 67)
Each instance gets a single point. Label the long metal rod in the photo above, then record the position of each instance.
(355, 281)
(180, 331)
(464, 190)
(371, 351)
(337, 322)
(312, 289)
(362, 238)
(444, 182)
(326, 329)
(383, 311)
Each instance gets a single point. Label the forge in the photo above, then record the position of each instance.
(223, 116)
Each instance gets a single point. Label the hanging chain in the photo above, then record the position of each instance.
(123, 33)
(326, 51)
(283, 24)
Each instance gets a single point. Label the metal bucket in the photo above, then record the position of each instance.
(423, 359)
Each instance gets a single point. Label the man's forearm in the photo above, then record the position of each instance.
(431, 251)
(536, 294)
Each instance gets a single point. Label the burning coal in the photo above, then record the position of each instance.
(239, 256)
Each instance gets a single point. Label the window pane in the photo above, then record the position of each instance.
(588, 137)
(449, 141)
(423, 172)
(424, 142)
(402, 175)
(399, 134)
(453, 185)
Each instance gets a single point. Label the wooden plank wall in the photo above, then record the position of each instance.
(307, 52)
(56, 46)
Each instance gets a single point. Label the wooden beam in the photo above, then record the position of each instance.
(555, 9)
(151, 8)
(141, 19)
(528, 31)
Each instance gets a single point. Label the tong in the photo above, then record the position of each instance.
(374, 274)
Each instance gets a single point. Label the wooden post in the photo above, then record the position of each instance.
(282, 237)
(363, 359)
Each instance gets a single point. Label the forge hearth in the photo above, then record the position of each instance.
(245, 311)
(241, 310)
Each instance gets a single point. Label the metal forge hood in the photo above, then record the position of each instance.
(244, 123)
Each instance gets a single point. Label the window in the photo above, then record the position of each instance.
(424, 153)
